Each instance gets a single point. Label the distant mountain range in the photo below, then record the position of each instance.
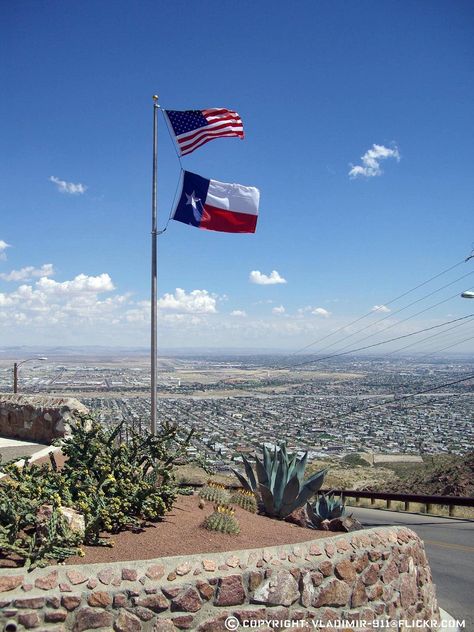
(97, 351)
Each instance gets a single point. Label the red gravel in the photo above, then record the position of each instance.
(181, 533)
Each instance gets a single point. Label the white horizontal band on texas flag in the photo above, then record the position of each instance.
(220, 206)
(193, 128)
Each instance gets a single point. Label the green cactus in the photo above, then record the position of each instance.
(245, 499)
(222, 520)
(280, 481)
(325, 508)
(215, 493)
(114, 486)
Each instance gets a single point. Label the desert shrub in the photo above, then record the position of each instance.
(115, 487)
(279, 481)
(21, 495)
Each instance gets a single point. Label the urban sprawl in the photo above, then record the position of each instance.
(238, 403)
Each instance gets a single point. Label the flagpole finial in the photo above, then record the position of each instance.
(155, 99)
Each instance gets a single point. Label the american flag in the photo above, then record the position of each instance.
(193, 128)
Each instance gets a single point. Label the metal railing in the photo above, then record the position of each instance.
(423, 499)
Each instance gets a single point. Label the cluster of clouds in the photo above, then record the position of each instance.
(274, 278)
(27, 273)
(370, 166)
(90, 308)
(68, 187)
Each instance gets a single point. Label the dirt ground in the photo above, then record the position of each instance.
(181, 533)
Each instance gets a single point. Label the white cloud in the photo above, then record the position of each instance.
(239, 313)
(320, 311)
(196, 302)
(278, 310)
(68, 187)
(381, 308)
(79, 285)
(371, 161)
(315, 311)
(3, 247)
(28, 272)
(259, 278)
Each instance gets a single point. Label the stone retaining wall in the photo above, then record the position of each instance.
(38, 418)
(377, 574)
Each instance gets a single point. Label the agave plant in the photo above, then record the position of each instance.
(325, 508)
(280, 482)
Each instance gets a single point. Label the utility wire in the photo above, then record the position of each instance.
(393, 300)
(399, 322)
(455, 344)
(377, 344)
(429, 337)
(391, 315)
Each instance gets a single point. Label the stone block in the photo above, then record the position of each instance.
(29, 619)
(70, 602)
(230, 591)
(91, 618)
(55, 616)
(99, 599)
(280, 589)
(345, 570)
(47, 582)
(155, 572)
(33, 603)
(127, 622)
(129, 574)
(10, 582)
(156, 603)
(187, 601)
(333, 593)
(184, 622)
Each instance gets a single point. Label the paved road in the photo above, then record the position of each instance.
(15, 449)
(450, 548)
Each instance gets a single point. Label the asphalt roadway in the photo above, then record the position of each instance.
(449, 544)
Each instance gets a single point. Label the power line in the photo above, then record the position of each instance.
(455, 344)
(376, 344)
(430, 337)
(393, 300)
(404, 320)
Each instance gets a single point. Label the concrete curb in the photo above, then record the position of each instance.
(448, 622)
(35, 456)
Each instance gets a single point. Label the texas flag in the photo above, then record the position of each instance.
(213, 205)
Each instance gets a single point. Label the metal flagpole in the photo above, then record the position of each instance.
(154, 233)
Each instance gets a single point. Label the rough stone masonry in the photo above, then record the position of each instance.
(38, 418)
(377, 574)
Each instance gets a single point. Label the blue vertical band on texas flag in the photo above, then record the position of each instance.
(219, 206)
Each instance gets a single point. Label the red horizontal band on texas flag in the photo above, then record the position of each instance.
(220, 220)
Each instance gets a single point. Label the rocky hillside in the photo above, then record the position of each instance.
(440, 476)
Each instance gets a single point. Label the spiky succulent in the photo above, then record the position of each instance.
(280, 482)
(215, 493)
(325, 508)
(245, 499)
(222, 520)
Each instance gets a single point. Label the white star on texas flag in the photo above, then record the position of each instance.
(192, 199)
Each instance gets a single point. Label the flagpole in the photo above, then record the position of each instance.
(154, 234)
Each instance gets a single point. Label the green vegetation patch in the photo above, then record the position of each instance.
(108, 486)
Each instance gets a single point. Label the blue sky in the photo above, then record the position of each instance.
(318, 85)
